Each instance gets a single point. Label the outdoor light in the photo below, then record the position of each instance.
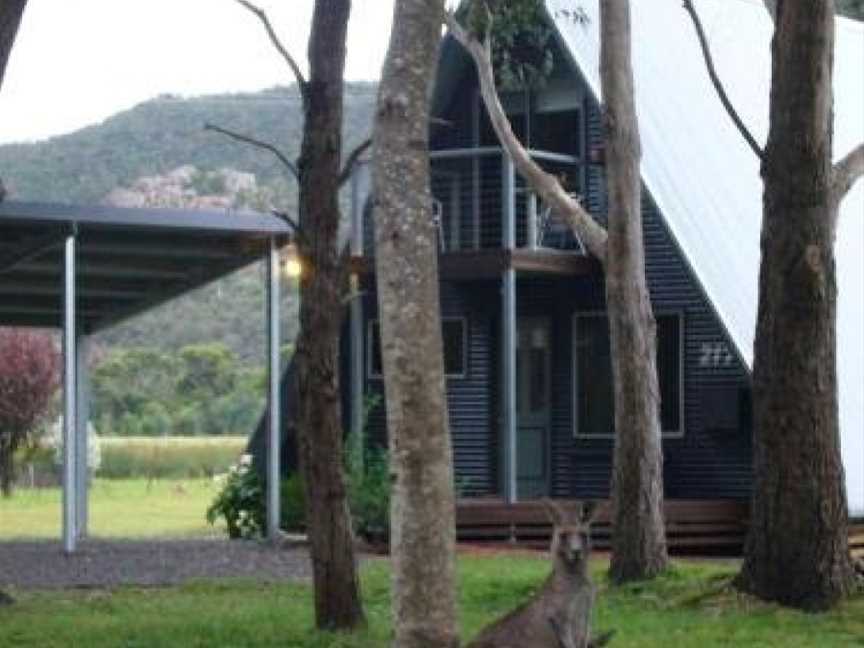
(291, 266)
(293, 269)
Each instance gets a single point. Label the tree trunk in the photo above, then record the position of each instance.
(320, 434)
(422, 514)
(639, 538)
(10, 19)
(7, 468)
(797, 550)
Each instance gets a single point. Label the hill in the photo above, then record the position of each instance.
(165, 133)
(158, 154)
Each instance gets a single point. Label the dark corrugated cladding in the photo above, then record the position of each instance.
(707, 462)
(469, 398)
(711, 460)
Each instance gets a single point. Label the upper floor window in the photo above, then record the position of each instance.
(454, 335)
(594, 391)
(557, 131)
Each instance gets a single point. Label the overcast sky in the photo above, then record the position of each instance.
(77, 62)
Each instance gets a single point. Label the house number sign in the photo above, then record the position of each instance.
(715, 355)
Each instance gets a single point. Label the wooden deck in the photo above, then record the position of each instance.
(490, 263)
(692, 526)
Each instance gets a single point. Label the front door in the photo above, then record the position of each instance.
(532, 407)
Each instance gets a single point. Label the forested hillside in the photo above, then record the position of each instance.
(165, 133)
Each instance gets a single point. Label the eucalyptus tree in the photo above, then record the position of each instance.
(422, 538)
(797, 549)
(639, 539)
(323, 287)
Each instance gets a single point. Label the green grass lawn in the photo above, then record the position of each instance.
(692, 606)
(118, 508)
(688, 608)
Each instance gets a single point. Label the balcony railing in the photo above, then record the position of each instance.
(481, 203)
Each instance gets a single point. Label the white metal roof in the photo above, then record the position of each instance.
(705, 179)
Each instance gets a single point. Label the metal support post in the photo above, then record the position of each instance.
(70, 395)
(508, 337)
(274, 392)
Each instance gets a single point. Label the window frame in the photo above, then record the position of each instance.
(370, 339)
(682, 353)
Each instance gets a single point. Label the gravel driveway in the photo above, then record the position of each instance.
(104, 563)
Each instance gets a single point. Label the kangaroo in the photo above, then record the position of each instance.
(559, 614)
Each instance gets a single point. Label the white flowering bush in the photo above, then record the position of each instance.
(54, 440)
(240, 501)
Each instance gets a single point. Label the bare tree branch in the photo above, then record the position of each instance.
(718, 85)
(290, 221)
(274, 38)
(847, 171)
(288, 164)
(352, 158)
(545, 184)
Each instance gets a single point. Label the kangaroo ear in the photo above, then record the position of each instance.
(554, 512)
(590, 509)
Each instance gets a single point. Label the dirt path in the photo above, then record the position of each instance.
(103, 563)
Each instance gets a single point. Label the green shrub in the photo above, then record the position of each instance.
(293, 510)
(368, 475)
(168, 457)
(369, 490)
(242, 503)
(242, 500)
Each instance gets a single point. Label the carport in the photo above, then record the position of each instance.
(81, 269)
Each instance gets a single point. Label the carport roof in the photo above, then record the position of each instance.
(128, 259)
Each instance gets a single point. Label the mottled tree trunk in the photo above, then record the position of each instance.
(639, 539)
(320, 433)
(797, 549)
(423, 522)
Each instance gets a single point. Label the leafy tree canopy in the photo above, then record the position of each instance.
(521, 39)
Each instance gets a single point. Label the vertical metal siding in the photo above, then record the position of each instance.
(469, 399)
(704, 463)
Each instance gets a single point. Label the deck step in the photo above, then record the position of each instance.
(691, 526)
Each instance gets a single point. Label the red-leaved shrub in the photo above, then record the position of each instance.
(29, 375)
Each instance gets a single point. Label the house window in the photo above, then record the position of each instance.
(454, 334)
(558, 131)
(594, 391)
